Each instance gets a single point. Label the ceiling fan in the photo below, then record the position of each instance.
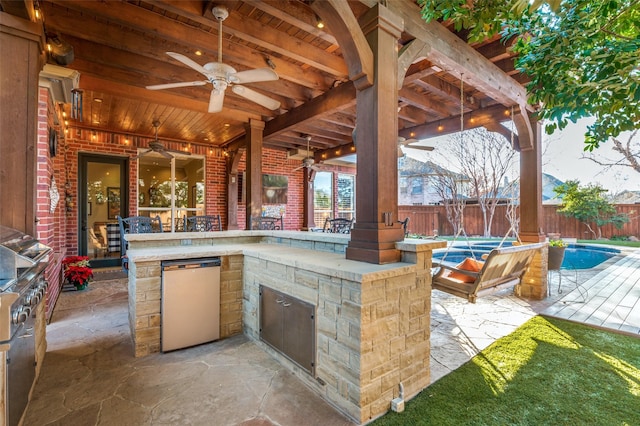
(157, 146)
(221, 75)
(308, 161)
(404, 142)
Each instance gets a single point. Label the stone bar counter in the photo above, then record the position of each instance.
(371, 322)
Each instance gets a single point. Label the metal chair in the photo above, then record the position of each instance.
(203, 223)
(338, 226)
(136, 225)
(405, 225)
(267, 223)
(180, 224)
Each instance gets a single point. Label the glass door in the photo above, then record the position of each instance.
(103, 195)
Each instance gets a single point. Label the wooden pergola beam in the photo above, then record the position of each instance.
(479, 118)
(336, 99)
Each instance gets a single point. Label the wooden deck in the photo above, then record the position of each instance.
(610, 299)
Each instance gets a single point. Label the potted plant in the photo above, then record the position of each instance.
(77, 271)
(556, 254)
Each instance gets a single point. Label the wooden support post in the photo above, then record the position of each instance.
(376, 228)
(254, 170)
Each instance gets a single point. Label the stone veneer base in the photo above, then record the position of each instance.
(372, 321)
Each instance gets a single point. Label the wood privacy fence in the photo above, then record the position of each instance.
(424, 220)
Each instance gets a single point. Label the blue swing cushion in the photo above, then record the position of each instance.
(468, 264)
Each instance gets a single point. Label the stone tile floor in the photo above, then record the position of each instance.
(89, 376)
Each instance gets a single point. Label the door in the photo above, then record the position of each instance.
(102, 196)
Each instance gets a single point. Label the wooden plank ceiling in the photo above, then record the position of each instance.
(120, 47)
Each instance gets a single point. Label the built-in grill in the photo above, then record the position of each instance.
(22, 287)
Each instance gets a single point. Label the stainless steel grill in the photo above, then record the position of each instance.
(22, 287)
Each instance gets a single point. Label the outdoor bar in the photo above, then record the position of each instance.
(371, 322)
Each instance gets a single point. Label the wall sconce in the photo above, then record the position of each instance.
(440, 127)
(36, 9)
(93, 135)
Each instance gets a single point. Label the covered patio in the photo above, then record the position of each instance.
(375, 77)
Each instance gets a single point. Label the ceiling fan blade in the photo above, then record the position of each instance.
(258, 74)
(216, 100)
(165, 154)
(404, 141)
(188, 62)
(422, 148)
(173, 85)
(142, 154)
(256, 97)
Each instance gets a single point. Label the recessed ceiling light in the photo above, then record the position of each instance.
(198, 52)
(97, 100)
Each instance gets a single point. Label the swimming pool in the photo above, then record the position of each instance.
(576, 256)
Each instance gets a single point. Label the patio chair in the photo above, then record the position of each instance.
(268, 223)
(338, 226)
(503, 268)
(203, 223)
(180, 224)
(136, 225)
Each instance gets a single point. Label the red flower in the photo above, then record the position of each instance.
(77, 270)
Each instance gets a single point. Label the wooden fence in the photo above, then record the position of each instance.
(425, 220)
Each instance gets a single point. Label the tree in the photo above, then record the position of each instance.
(448, 185)
(485, 159)
(589, 206)
(628, 153)
(581, 55)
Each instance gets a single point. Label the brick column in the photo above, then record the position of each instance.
(534, 283)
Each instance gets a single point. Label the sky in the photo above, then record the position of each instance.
(562, 159)
(562, 152)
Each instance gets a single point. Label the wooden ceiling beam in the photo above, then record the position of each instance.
(62, 19)
(296, 14)
(425, 103)
(479, 118)
(334, 100)
(95, 83)
(269, 39)
(152, 71)
(453, 54)
(413, 115)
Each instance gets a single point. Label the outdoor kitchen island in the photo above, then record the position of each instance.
(370, 322)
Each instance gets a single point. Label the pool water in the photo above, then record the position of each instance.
(576, 256)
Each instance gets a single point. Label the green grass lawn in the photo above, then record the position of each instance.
(547, 372)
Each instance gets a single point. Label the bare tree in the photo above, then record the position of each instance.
(629, 153)
(485, 158)
(448, 186)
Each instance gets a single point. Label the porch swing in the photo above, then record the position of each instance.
(502, 268)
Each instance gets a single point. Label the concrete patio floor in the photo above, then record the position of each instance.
(89, 376)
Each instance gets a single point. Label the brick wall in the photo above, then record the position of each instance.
(50, 172)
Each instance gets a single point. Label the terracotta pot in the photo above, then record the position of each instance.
(556, 256)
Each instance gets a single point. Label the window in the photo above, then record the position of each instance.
(416, 186)
(346, 196)
(322, 197)
(170, 188)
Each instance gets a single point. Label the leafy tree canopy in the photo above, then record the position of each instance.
(581, 55)
(588, 205)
